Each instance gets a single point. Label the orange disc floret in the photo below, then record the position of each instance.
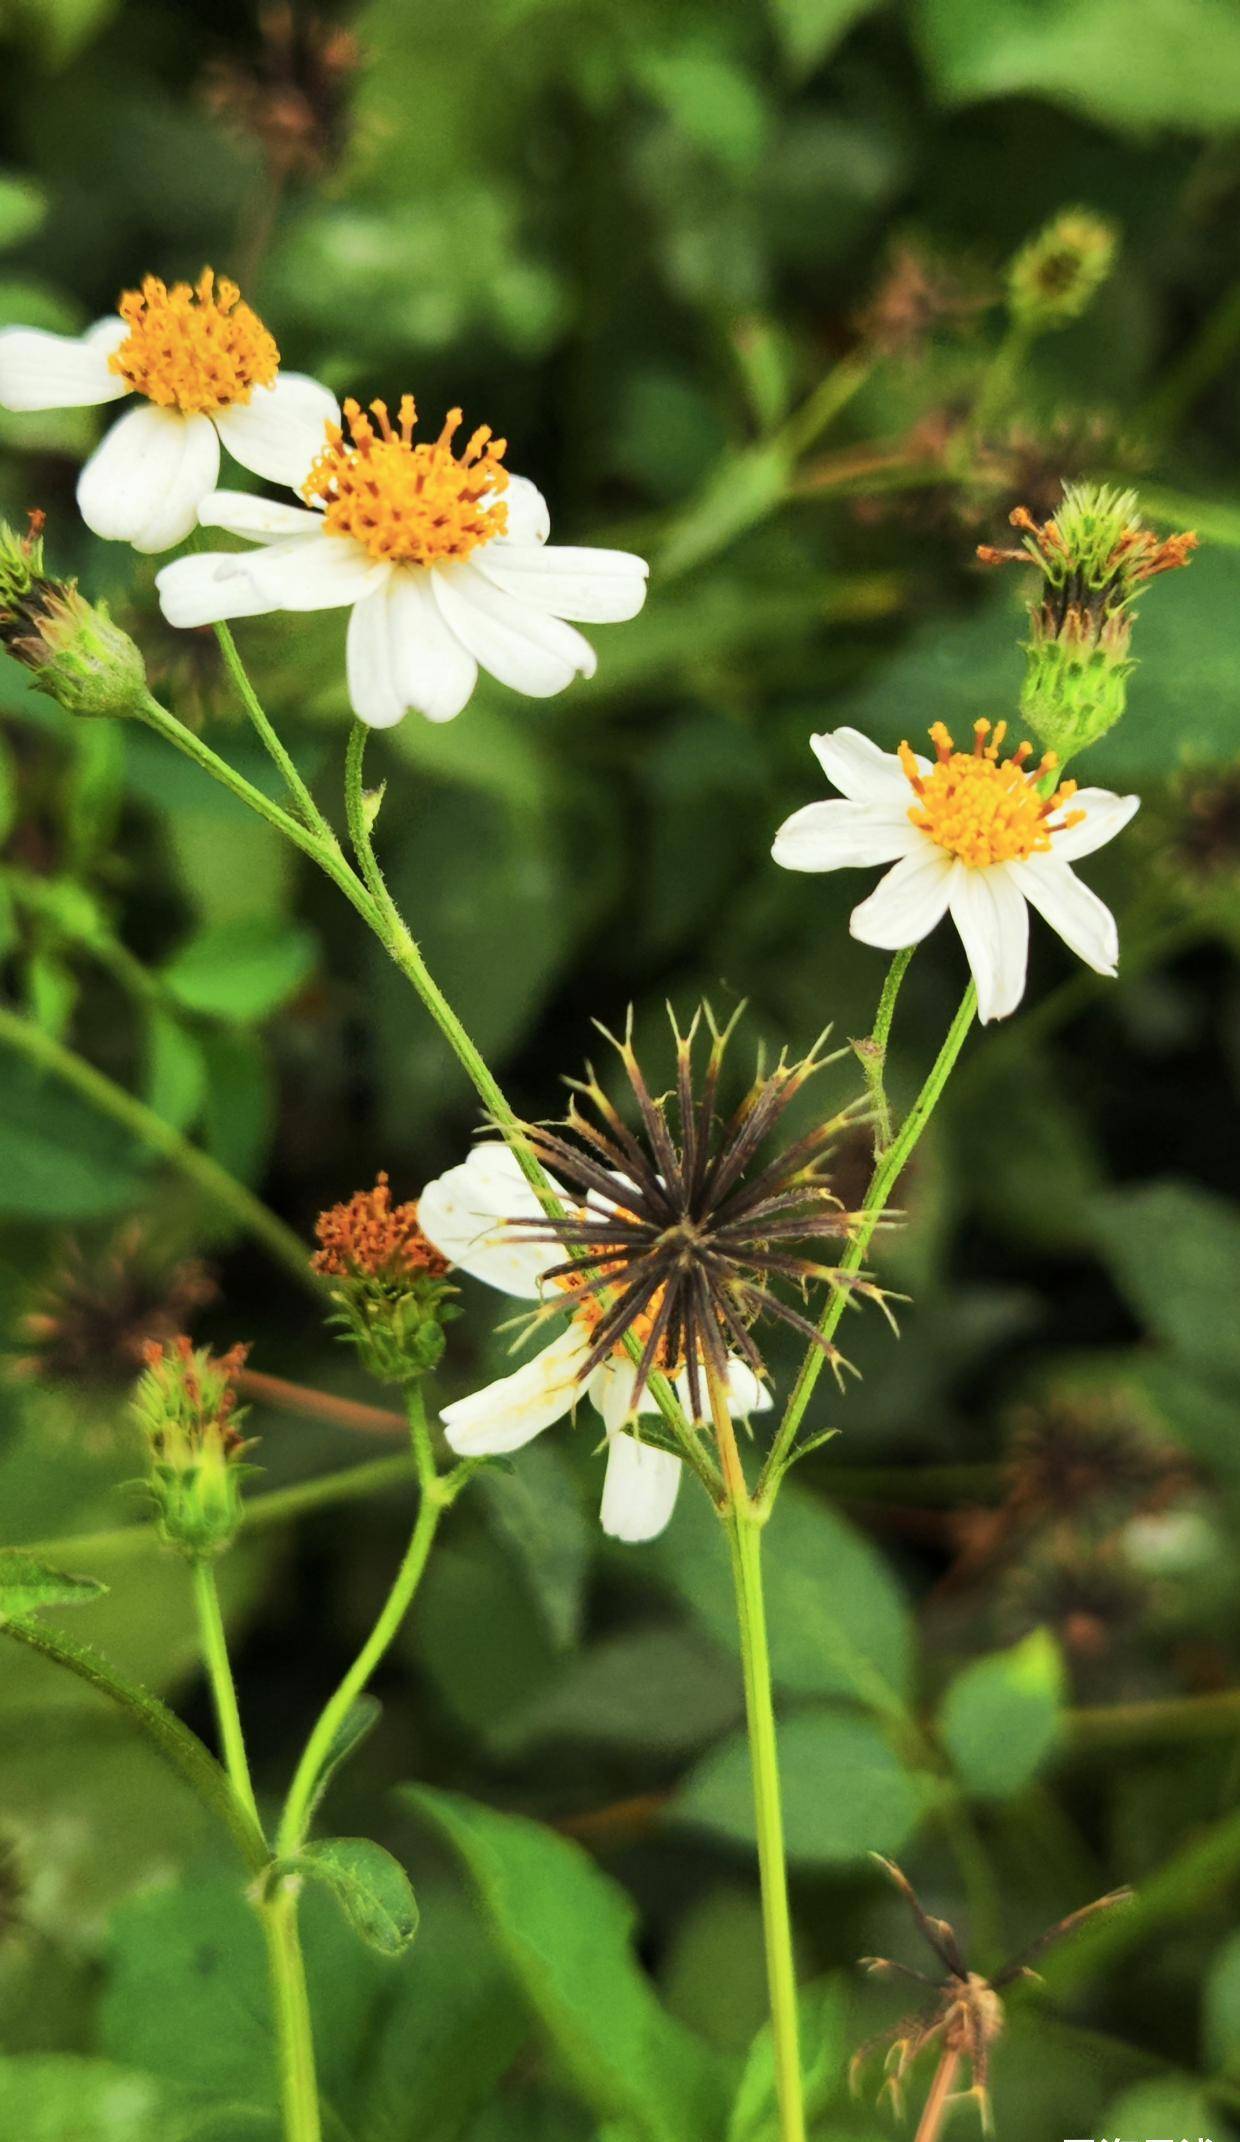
(193, 1388)
(984, 809)
(195, 348)
(368, 1237)
(407, 504)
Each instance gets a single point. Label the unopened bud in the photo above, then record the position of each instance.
(391, 1293)
(1054, 278)
(186, 1403)
(1094, 556)
(75, 652)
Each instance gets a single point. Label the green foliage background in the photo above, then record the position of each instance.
(635, 238)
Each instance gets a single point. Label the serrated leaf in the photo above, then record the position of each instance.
(1002, 1715)
(26, 1584)
(371, 1888)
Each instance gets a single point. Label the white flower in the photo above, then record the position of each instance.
(207, 370)
(441, 559)
(971, 835)
(463, 1214)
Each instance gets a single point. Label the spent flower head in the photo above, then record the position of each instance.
(72, 648)
(389, 1283)
(686, 1224)
(1055, 276)
(90, 1318)
(186, 1405)
(963, 2013)
(1094, 555)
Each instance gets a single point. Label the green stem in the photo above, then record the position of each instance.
(999, 378)
(744, 1538)
(886, 1175)
(223, 1688)
(434, 1500)
(229, 1196)
(871, 1053)
(276, 750)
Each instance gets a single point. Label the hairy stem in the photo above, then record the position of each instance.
(871, 1053)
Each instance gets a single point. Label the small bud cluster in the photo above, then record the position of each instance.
(1053, 278)
(390, 1287)
(76, 653)
(1094, 555)
(186, 1404)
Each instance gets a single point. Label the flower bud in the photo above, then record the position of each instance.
(76, 653)
(391, 1296)
(1094, 556)
(186, 1404)
(1053, 278)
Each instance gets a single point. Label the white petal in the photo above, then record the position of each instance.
(523, 648)
(1105, 815)
(263, 520)
(861, 771)
(463, 1212)
(529, 518)
(988, 909)
(317, 572)
(1084, 922)
(42, 371)
(281, 431)
(905, 905)
(746, 1392)
(207, 588)
(147, 478)
(842, 836)
(372, 684)
(517, 1408)
(639, 1493)
(433, 672)
(601, 587)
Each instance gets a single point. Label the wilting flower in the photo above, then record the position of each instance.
(469, 1213)
(186, 1405)
(973, 835)
(207, 370)
(89, 1321)
(441, 558)
(965, 2015)
(389, 1283)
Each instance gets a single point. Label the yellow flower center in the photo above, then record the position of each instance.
(196, 350)
(412, 505)
(982, 808)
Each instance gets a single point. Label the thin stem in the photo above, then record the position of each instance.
(744, 1539)
(315, 1405)
(871, 1053)
(267, 733)
(999, 377)
(223, 1688)
(299, 2095)
(434, 1500)
(229, 1196)
(886, 1175)
(931, 2121)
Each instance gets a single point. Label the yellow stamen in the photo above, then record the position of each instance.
(196, 350)
(984, 809)
(412, 505)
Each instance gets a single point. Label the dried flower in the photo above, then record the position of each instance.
(966, 2014)
(916, 295)
(186, 1405)
(1201, 847)
(293, 98)
(390, 1290)
(88, 1322)
(1057, 274)
(1094, 556)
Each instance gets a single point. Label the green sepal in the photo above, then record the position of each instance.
(26, 1585)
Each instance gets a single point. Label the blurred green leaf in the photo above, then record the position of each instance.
(845, 1791)
(240, 1110)
(655, 1688)
(1174, 1250)
(26, 1584)
(176, 1071)
(1002, 1716)
(566, 1931)
(1167, 2104)
(810, 30)
(59, 1159)
(65, 2098)
(241, 970)
(372, 1889)
(1222, 2006)
(23, 206)
(824, 2019)
(535, 1509)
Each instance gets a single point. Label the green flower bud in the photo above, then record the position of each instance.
(391, 1293)
(1054, 278)
(1094, 556)
(76, 653)
(186, 1404)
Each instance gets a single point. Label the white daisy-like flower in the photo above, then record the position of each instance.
(442, 560)
(207, 370)
(464, 1214)
(972, 835)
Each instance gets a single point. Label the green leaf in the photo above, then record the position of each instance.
(59, 1159)
(243, 969)
(23, 206)
(741, 492)
(566, 1931)
(372, 1889)
(359, 1721)
(50, 2097)
(810, 30)
(535, 1510)
(240, 1111)
(845, 1791)
(649, 1688)
(26, 1584)
(823, 2012)
(1002, 1716)
(1166, 2105)
(1221, 2025)
(839, 1626)
(176, 1071)
(1174, 1250)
